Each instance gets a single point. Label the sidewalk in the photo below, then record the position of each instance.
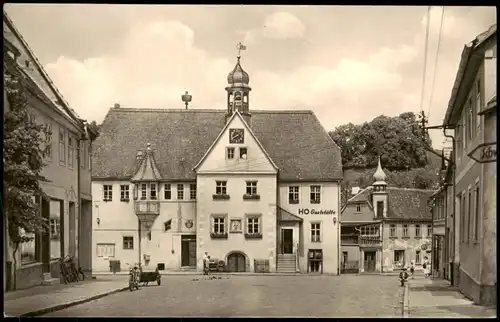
(436, 298)
(40, 300)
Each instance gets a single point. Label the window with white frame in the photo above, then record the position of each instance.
(62, 150)
(251, 188)
(153, 194)
(218, 224)
(253, 224)
(128, 242)
(358, 208)
(418, 232)
(180, 191)
(192, 191)
(392, 231)
(316, 232)
(470, 127)
(105, 250)
(293, 194)
(469, 215)
(476, 212)
(82, 154)
(70, 152)
(221, 187)
(55, 228)
(315, 194)
(369, 230)
(144, 191)
(405, 230)
(48, 140)
(230, 153)
(478, 102)
(124, 192)
(108, 192)
(167, 192)
(418, 260)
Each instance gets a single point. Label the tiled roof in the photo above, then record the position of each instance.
(284, 215)
(362, 196)
(295, 141)
(403, 203)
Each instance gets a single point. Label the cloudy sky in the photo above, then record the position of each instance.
(347, 64)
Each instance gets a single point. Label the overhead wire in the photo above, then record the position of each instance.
(425, 58)
(436, 62)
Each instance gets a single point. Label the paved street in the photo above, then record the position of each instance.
(278, 296)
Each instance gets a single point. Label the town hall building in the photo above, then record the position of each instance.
(258, 190)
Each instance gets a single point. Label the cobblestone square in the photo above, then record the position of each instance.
(257, 296)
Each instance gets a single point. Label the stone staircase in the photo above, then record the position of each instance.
(287, 263)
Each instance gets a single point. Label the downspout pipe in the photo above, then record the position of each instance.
(338, 228)
(454, 202)
(278, 236)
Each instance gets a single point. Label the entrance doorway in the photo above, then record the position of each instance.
(369, 263)
(236, 262)
(287, 241)
(188, 250)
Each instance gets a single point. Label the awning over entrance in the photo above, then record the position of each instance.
(285, 216)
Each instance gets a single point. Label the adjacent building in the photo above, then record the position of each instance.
(68, 169)
(258, 190)
(472, 114)
(384, 229)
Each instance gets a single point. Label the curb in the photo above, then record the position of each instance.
(94, 276)
(63, 306)
(406, 302)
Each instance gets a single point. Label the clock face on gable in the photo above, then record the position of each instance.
(236, 136)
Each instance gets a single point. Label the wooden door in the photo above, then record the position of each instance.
(369, 261)
(241, 266)
(192, 253)
(287, 241)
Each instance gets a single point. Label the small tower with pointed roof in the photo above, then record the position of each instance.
(379, 194)
(238, 92)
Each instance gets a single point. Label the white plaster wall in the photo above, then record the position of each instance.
(118, 219)
(329, 230)
(236, 207)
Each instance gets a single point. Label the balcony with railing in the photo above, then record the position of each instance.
(363, 240)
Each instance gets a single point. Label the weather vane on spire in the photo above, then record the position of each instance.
(240, 47)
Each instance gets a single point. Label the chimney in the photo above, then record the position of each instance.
(355, 190)
(117, 105)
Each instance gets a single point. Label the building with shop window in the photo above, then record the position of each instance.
(471, 114)
(68, 160)
(258, 190)
(384, 229)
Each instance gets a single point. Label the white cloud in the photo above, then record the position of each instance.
(278, 25)
(157, 62)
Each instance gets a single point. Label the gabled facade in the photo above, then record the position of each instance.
(472, 114)
(68, 206)
(257, 190)
(384, 229)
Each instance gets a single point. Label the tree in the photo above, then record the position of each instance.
(24, 150)
(398, 141)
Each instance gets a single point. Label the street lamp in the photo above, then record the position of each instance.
(186, 98)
